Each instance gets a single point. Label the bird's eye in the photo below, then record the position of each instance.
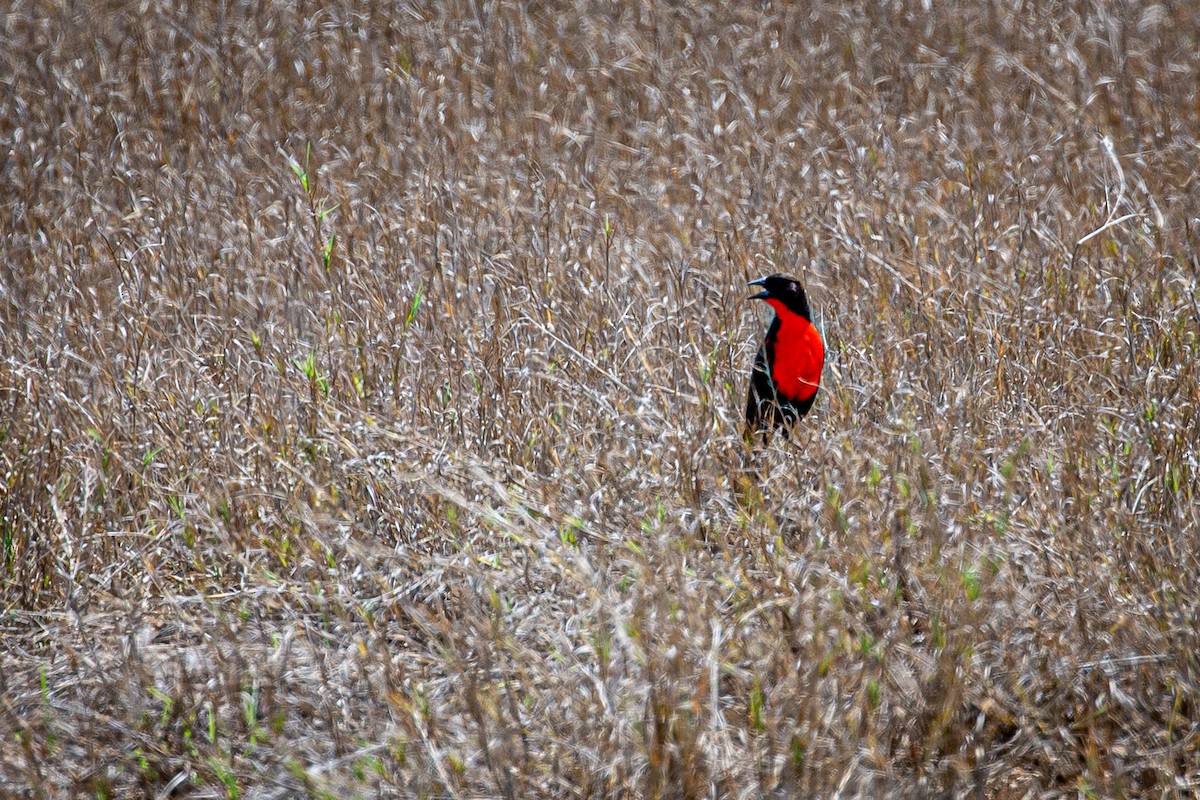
(792, 286)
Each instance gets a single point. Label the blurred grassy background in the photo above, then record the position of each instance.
(371, 375)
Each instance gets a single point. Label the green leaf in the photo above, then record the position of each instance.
(327, 253)
(416, 304)
(757, 701)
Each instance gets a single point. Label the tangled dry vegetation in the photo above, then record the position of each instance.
(371, 378)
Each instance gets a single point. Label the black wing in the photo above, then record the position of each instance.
(762, 406)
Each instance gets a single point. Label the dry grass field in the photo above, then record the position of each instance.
(371, 378)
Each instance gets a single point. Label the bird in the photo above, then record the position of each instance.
(787, 368)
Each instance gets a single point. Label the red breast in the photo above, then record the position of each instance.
(799, 355)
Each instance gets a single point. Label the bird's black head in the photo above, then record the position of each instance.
(785, 291)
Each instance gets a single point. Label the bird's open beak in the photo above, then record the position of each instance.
(764, 294)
